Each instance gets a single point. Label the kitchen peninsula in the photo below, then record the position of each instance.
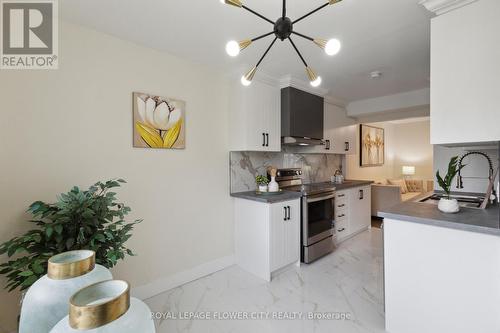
(442, 271)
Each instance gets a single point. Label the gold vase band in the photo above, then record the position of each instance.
(84, 316)
(70, 264)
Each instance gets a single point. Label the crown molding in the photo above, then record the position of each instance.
(439, 7)
(289, 81)
(336, 101)
(267, 78)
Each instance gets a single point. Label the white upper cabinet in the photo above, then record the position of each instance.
(465, 74)
(340, 131)
(255, 117)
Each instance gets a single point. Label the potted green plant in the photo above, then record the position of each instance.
(80, 220)
(447, 204)
(262, 182)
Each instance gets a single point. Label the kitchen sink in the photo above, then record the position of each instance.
(463, 201)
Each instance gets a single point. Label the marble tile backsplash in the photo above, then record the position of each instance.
(244, 166)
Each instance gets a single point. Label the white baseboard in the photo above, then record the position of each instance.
(161, 285)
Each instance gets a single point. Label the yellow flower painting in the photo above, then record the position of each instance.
(158, 122)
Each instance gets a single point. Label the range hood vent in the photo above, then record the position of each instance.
(293, 141)
(301, 118)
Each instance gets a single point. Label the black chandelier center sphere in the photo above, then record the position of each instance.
(283, 28)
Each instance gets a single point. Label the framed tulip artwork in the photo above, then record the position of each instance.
(159, 122)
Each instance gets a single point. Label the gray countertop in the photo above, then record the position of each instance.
(468, 219)
(289, 195)
(283, 196)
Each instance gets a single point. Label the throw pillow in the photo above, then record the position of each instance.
(401, 183)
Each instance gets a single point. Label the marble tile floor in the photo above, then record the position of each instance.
(348, 282)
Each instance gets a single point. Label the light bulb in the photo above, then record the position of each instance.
(333, 47)
(316, 82)
(233, 48)
(245, 82)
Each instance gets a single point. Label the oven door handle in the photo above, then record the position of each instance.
(320, 198)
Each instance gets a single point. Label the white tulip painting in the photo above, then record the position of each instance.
(158, 122)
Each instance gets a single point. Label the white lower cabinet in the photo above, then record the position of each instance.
(360, 212)
(352, 212)
(267, 236)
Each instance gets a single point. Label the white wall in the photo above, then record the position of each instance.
(354, 171)
(407, 143)
(73, 126)
(412, 147)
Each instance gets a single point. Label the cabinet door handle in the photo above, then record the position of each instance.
(341, 195)
(267, 139)
(340, 230)
(284, 218)
(263, 139)
(361, 194)
(347, 146)
(341, 215)
(327, 143)
(289, 213)
(343, 205)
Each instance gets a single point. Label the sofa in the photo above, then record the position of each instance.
(385, 195)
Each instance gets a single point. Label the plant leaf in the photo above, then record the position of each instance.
(26, 273)
(29, 281)
(49, 231)
(100, 238)
(58, 228)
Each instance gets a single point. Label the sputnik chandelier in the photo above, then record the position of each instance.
(283, 29)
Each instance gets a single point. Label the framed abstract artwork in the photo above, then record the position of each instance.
(159, 122)
(372, 146)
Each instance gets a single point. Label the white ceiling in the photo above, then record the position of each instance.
(387, 35)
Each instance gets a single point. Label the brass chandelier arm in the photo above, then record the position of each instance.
(257, 14)
(298, 52)
(330, 2)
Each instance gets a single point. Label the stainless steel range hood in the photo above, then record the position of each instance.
(301, 118)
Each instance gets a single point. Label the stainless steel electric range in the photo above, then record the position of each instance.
(318, 224)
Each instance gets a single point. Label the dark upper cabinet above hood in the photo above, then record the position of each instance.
(301, 117)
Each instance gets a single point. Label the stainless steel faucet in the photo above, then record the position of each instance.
(460, 182)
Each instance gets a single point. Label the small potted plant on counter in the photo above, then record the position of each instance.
(447, 204)
(262, 182)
